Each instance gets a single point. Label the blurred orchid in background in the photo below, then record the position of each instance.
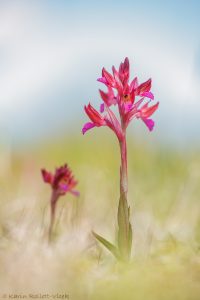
(131, 103)
(61, 182)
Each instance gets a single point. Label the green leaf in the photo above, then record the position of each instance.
(113, 249)
(124, 228)
(130, 234)
(130, 237)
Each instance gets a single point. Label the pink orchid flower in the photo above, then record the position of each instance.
(129, 97)
(61, 182)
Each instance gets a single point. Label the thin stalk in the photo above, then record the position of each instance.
(53, 202)
(125, 231)
(123, 168)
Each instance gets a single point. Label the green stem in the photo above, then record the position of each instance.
(54, 198)
(125, 231)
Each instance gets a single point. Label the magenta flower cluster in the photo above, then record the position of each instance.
(129, 98)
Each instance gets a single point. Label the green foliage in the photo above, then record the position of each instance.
(107, 244)
(124, 230)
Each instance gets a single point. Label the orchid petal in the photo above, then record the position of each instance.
(102, 79)
(109, 78)
(102, 108)
(115, 73)
(134, 84)
(146, 111)
(47, 176)
(148, 95)
(94, 115)
(104, 96)
(124, 71)
(127, 107)
(144, 87)
(87, 127)
(149, 123)
(109, 97)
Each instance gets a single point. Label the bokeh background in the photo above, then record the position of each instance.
(51, 53)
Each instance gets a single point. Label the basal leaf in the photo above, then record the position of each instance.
(112, 248)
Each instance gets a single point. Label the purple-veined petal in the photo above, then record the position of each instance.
(87, 127)
(149, 123)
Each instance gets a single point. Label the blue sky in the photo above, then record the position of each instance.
(51, 53)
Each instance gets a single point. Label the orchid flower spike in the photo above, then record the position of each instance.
(130, 98)
(61, 183)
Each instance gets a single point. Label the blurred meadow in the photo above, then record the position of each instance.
(164, 196)
(45, 80)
